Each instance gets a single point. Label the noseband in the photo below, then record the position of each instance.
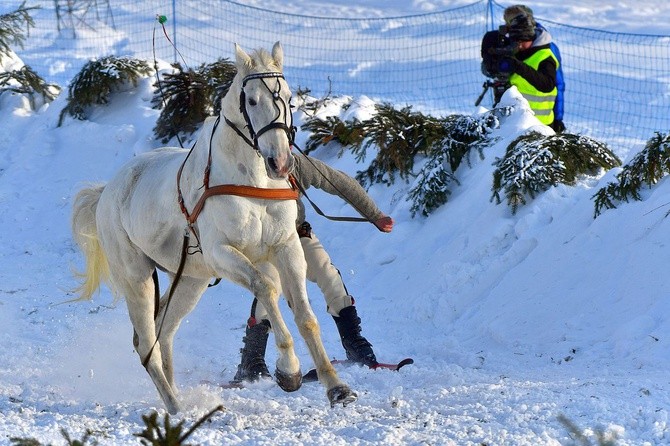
(279, 104)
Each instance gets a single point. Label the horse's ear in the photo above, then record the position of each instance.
(243, 60)
(278, 55)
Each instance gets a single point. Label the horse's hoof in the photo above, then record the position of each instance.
(288, 382)
(173, 408)
(341, 394)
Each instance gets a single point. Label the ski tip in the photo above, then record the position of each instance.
(311, 376)
(403, 363)
(393, 366)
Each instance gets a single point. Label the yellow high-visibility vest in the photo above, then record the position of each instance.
(542, 103)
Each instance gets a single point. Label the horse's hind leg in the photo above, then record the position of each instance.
(133, 278)
(184, 299)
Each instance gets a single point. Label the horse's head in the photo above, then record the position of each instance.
(264, 104)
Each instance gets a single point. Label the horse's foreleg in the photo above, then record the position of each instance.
(184, 299)
(292, 274)
(232, 264)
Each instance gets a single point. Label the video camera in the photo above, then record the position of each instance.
(496, 48)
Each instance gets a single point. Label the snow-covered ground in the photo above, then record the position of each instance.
(513, 320)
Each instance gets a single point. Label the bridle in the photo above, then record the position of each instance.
(279, 104)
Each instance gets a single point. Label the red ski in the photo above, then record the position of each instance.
(311, 375)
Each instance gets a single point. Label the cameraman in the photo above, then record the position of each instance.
(557, 125)
(521, 53)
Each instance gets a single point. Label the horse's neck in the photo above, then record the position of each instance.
(233, 161)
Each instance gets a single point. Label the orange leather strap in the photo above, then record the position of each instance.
(242, 191)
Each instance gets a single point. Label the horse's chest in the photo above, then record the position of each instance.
(254, 229)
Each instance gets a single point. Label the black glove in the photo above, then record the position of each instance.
(558, 126)
(508, 64)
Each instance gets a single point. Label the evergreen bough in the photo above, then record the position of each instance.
(14, 27)
(187, 97)
(533, 163)
(323, 131)
(460, 134)
(580, 437)
(97, 80)
(433, 186)
(402, 136)
(399, 136)
(311, 105)
(25, 81)
(646, 168)
(68, 440)
(155, 433)
(169, 434)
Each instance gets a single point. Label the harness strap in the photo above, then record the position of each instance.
(239, 132)
(329, 217)
(173, 286)
(241, 191)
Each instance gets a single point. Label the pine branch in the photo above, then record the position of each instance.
(98, 80)
(332, 129)
(646, 168)
(453, 143)
(25, 81)
(533, 163)
(399, 136)
(168, 434)
(187, 97)
(14, 27)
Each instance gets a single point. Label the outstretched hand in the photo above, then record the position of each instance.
(384, 224)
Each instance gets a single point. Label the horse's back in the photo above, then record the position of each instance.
(139, 205)
(146, 178)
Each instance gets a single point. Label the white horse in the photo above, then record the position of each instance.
(139, 221)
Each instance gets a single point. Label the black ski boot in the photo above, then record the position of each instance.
(357, 347)
(252, 365)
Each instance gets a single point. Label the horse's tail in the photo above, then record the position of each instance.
(85, 233)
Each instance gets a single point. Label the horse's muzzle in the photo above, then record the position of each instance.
(277, 169)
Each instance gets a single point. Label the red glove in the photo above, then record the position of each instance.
(384, 224)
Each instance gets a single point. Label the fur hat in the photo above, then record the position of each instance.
(521, 28)
(515, 10)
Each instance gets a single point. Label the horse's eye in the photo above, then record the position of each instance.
(252, 102)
